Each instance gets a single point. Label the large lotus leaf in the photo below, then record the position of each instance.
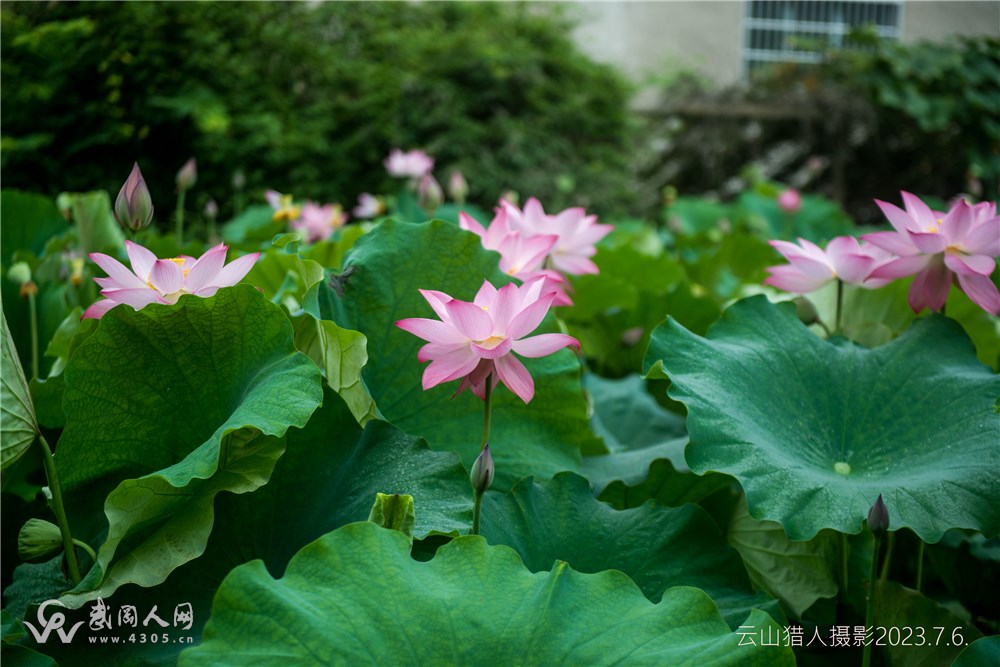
(378, 286)
(327, 477)
(658, 547)
(341, 354)
(284, 277)
(984, 652)
(168, 406)
(636, 430)
(815, 430)
(96, 228)
(19, 426)
(798, 573)
(29, 221)
(344, 594)
(939, 636)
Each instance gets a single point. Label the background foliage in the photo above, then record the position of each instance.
(308, 98)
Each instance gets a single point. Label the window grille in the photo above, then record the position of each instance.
(782, 31)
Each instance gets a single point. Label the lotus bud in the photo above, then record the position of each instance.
(458, 188)
(790, 201)
(187, 175)
(511, 197)
(878, 518)
(20, 273)
(38, 539)
(805, 310)
(481, 475)
(429, 192)
(239, 179)
(631, 337)
(134, 207)
(211, 210)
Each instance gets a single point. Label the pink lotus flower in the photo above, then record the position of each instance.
(283, 207)
(369, 206)
(412, 164)
(937, 247)
(789, 201)
(476, 341)
(577, 233)
(153, 280)
(810, 267)
(318, 223)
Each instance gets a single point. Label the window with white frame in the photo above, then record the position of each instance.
(778, 31)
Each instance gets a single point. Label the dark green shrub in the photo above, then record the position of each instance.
(307, 98)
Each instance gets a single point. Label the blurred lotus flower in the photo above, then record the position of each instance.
(476, 341)
(789, 201)
(937, 246)
(458, 188)
(369, 206)
(211, 209)
(317, 222)
(187, 175)
(133, 207)
(429, 193)
(412, 164)
(239, 179)
(810, 267)
(283, 207)
(578, 233)
(521, 255)
(153, 280)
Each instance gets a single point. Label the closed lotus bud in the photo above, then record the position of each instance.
(511, 196)
(790, 201)
(134, 207)
(187, 175)
(20, 273)
(429, 192)
(211, 210)
(481, 475)
(38, 539)
(806, 311)
(878, 518)
(458, 188)
(239, 179)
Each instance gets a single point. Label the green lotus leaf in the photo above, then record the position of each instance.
(165, 407)
(327, 478)
(19, 425)
(636, 430)
(30, 221)
(378, 286)
(815, 430)
(658, 547)
(344, 594)
(938, 636)
(341, 354)
(984, 652)
(798, 573)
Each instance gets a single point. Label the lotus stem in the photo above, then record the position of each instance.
(86, 547)
(475, 514)
(33, 318)
(60, 511)
(920, 565)
(890, 543)
(180, 215)
(843, 566)
(840, 303)
(870, 605)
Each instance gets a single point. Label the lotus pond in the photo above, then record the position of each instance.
(421, 433)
